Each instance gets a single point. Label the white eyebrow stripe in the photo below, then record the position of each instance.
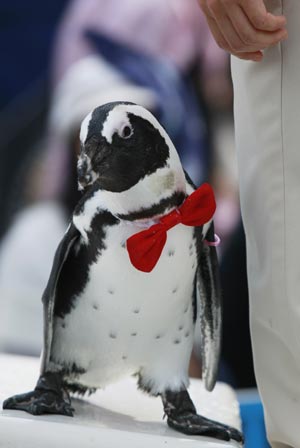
(85, 128)
(115, 120)
(118, 117)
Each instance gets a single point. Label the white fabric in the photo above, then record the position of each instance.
(267, 119)
(26, 255)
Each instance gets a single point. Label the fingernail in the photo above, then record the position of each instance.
(258, 56)
(284, 20)
(284, 36)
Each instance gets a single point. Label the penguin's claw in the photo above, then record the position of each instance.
(193, 424)
(40, 402)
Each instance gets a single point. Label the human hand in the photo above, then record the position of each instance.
(243, 27)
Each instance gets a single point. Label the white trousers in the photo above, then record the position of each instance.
(267, 121)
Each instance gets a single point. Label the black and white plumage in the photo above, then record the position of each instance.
(103, 318)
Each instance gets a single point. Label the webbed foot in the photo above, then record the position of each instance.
(48, 397)
(182, 416)
(194, 424)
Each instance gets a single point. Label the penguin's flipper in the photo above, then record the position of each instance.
(208, 301)
(209, 306)
(71, 236)
(49, 395)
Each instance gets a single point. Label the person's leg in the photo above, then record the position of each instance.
(267, 120)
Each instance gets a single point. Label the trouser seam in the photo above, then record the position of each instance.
(283, 162)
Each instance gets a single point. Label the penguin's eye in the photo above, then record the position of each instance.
(126, 131)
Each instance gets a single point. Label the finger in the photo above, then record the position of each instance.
(227, 29)
(253, 56)
(249, 35)
(227, 26)
(260, 17)
(222, 43)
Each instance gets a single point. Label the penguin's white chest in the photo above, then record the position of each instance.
(126, 320)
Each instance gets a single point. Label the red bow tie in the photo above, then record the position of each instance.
(145, 247)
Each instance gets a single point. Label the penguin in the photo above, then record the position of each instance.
(104, 318)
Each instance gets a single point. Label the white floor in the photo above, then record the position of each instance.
(119, 416)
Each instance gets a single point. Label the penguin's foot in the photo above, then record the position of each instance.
(38, 402)
(194, 424)
(48, 397)
(183, 417)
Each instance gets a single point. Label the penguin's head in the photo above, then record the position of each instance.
(123, 145)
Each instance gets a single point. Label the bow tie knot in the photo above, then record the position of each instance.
(145, 247)
(171, 219)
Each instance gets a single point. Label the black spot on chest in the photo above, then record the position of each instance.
(74, 275)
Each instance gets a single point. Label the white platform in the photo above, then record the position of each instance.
(119, 416)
